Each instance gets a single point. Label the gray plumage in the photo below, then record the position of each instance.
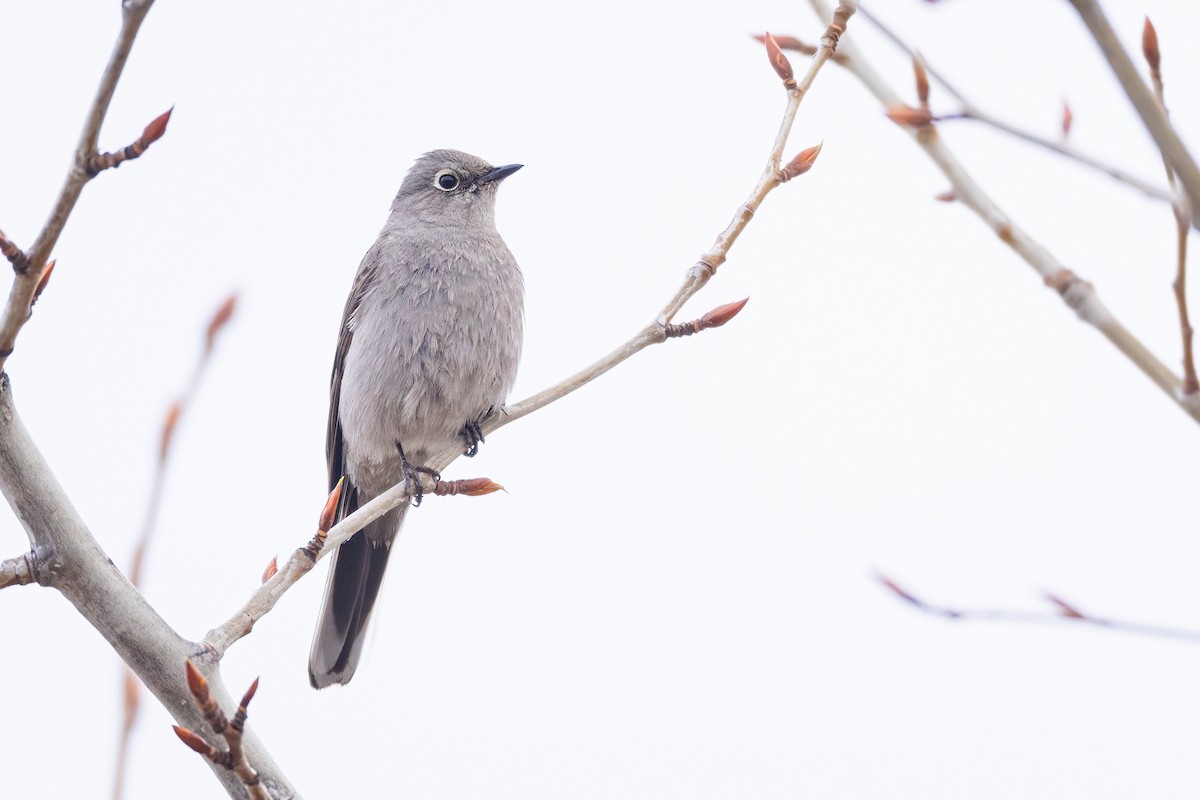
(429, 343)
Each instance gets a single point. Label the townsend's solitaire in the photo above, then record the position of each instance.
(428, 349)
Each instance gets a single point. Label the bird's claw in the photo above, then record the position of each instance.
(473, 436)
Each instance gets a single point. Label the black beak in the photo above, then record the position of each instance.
(498, 173)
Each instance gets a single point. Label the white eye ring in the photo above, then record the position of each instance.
(446, 180)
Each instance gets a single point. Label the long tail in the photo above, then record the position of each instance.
(353, 586)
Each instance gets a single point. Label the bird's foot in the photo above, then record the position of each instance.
(473, 436)
(412, 476)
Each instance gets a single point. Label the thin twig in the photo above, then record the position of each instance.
(972, 112)
(1181, 215)
(234, 759)
(1078, 294)
(1062, 612)
(131, 686)
(1147, 106)
(302, 561)
(18, 571)
(25, 283)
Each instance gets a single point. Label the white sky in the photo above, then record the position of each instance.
(674, 598)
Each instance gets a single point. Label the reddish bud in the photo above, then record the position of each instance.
(331, 504)
(779, 62)
(248, 696)
(947, 196)
(196, 683)
(193, 740)
(477, 487)
(1150, 45)
(219, 320)
(168, 429)
(270, 571)
(791, 43)
(908, 116)
(801, 164)
(722, 314)
(1064, 608)
(1067, 119)
(154, 131)
(41, 287)
(922, 82)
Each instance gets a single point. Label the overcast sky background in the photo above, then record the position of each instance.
(674, 598)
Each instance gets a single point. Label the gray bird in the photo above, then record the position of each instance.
(428, 349)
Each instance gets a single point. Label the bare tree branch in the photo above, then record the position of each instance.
(1062, 612)
(1078, 294)
(1148, 108)
(972, 112)
(29, 269)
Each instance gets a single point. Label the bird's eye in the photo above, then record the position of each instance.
(446, 181)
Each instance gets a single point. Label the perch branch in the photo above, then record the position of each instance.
(656, 332)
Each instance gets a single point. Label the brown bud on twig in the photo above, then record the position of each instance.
(196, 742)
(922, 82)
(271, 569)
(1067, 119)
(249, 695)
(1150, 46)
(331, 505)
(779, 62)
(196, 683)
(722, 314)
(150, 134)
(157, 127)
(908, 116)
(790, 43)
(168, 429)
(41, 287)
(471, 487)
(1064, 608)
(219, 320)
(713, 319)
(801, 164)
(948, 196)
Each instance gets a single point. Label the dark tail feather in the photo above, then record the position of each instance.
(354, 580)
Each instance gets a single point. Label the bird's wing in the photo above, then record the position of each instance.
(334, 444)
